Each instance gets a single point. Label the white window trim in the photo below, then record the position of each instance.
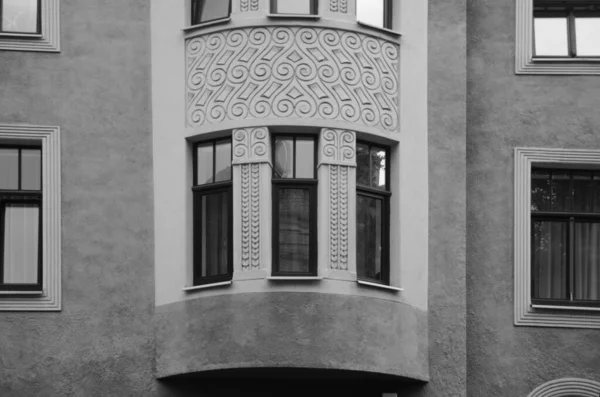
(50, 298)
(524, 60)
(525, 313)
(48, 41)
(567, 387)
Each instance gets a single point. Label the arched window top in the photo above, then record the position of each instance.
(568, 387)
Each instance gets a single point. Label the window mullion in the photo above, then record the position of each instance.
(572, 42)
(571, 262)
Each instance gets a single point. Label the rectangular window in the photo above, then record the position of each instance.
(375, 12)
(213, 223)
(300, 7)
(20, 218)
(372, 213)
(20, 16)
(294, 206)
(565, 237)
(210, 10)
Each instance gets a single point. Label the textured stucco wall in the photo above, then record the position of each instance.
(505, 111)
(97, 91)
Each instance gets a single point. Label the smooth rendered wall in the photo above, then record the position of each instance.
(507, 111)
(97, 91)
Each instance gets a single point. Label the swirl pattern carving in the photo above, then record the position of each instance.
(338, 6)
(250, 224)
(338, 147)
(304, 72)
(251, 145)
(338, 217)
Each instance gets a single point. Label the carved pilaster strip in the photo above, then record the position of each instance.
(244, 5)
(333, 5)
(253, 5)
(333, 217)
(338, 217)
(344, 6)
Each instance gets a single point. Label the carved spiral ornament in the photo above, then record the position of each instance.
(255, 73)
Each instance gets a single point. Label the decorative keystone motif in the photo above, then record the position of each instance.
(287, 72)
(250, 216)
(338, 147)
(251, 145)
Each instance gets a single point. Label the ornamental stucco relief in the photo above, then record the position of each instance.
(248, 5)
(287, 72)
(338, 6)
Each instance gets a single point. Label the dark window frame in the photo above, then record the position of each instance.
(200, 191)
(21, 196)
(383, 195)
(38, 21)
(314, 7)
(387, 17)
(196, 12)
(309, 184)
(570, 218)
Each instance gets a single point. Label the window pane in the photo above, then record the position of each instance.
(9, 169)
(362, 164)
(305, 158)
(19, 16)
(31, 171)
(370, 11)
(215, 234)
(549, 259)
(561, 191)
(293, 6)
(21, 235)
(378, 168)
(369, 217)
(223, 163)
(540, 191)
(596, 193)
(294, 230)
(582, 191)
(587, 261)
(213, 9)
(587, 32)
(551, 37)
(284, 158)
(204, 167)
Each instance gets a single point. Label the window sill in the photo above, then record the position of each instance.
(294, 278)
(205, 24)
(21, 292)
(315, 17)
(382, 29)
(32, 36)
(556, 307)
(206, 286)
(565, 60)
(375, 285)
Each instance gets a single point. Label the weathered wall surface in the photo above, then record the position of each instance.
(97, 91)
(506, 111)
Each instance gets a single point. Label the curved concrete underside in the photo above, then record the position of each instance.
(291, 330)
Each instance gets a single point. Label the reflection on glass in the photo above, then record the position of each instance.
(596, 193)
(562, 198)
(370, 11)
(215, 232)
(19, 16)
(9, 169)
(369, 214)
(294, 231)
(284, 158)
(208, 10)
(540, 191)
(549, 260)
(587, 261)
(362, 164)
(587, 32)
(551, 37)
(293, 7)
(204, 164)
(223, 161)
(305, 158)
(582, 191)
(31, 169)
(21, 236)
(378, 168)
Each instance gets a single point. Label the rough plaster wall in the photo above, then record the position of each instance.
(504, 111)
(97, 91)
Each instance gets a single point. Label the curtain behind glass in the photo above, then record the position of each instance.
(294, 230)
(215, 233)
(587, 261)
(549, 257)
(21, 239)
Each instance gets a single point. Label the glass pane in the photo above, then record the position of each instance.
(204, 166)
(215, 234)
(596, 193)
(370, 11)
(551, 37)
(223, 162)
(587, 32)
(549, 259)
(305, 158)
(587, 261)
(31, 169)
(540, 191)
(293, 6)
(561, 191)
(19, 16)
(9, 169)
(362, 164)
(294, 230)
(284, 158)
(582, 191)
(21, 235)
(214, 9)
(378, 168)
(369, 237)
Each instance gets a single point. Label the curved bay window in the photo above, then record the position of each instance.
(565, 237)
(372, 213)
(213, 223)
(294, 206)
(20, 218)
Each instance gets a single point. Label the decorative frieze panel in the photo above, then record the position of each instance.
(287, 72)
(250, 145)
(338, 6)
(248, 5)
(337, 147)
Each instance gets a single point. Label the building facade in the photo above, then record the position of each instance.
(202, 198)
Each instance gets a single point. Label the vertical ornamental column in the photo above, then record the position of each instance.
(337, 204)
(251, 203)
